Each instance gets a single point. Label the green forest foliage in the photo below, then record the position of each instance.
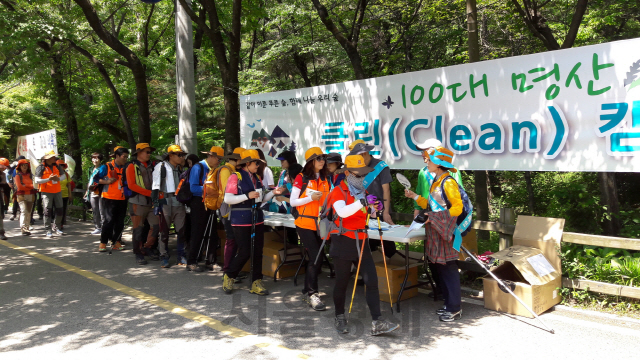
(285, 45)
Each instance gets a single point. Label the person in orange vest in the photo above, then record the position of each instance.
(200, 214)
(111, 176)
(349, 246)
(48, 178)
(4, 189)
(139, 174)
(310, 188)
(26, 194)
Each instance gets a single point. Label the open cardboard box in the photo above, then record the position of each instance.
(396, 270)
(531, 267)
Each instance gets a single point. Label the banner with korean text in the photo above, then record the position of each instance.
(568, 110)
(34, 146)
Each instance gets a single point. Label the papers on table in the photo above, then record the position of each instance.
(414, 226)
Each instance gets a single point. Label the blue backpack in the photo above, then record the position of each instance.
(467, 208)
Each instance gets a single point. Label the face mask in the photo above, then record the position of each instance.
(356, 186)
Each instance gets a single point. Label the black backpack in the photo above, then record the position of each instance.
(185, 195)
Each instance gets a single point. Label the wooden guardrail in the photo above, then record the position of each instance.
(506, 227)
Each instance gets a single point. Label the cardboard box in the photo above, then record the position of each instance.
(396, 270)
(470, 242)
(273, 253)
(531, 267)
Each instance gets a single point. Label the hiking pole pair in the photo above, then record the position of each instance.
(503, 286)
(209, 227)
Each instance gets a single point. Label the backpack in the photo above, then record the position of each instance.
(125, 185)
(326, 219)
(184, 194)
(212, 194)
(467, 208)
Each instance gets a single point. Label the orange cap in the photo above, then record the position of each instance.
(215, 151)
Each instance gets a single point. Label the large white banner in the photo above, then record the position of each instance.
(34, 146)
(567, 110)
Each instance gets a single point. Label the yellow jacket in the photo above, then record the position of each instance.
(452, 192)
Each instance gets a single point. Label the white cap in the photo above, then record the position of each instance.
(429, 143)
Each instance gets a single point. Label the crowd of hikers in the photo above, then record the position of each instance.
(235, 189)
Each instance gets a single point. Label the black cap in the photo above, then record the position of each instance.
(334, 158)
(290, 156)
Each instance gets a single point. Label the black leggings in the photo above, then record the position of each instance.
(311, 241)
(368, 272)
(243, 240)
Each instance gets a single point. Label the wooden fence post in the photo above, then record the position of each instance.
(507, 217)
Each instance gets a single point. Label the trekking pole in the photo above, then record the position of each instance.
(253, 237)
(208, 229)
(384, 258)
(503, 286)
(205, 233)
(360, 250)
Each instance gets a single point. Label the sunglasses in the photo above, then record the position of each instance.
(357, 176)
(179, 155)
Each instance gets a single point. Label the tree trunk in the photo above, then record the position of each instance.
(349, 43)
(532, 199)
(302, 67)
(228, 59)
(132, 62)
(609, 198)
(64, 102)
(114, 92)
(480, 176)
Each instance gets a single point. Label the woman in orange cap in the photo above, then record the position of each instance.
(26, 194)
(350, 209)
(310, 188)
(243, 192)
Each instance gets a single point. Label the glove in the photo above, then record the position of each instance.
(157, 210)
(377, 204)
(421, 218)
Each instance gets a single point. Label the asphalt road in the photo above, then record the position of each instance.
(59, 298)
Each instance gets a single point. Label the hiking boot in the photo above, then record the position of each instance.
(227, 284)
(258, 288)
(449, 316)
(182, 261)
(25, 233)
(2, 235)
(140, 260)
(12, 218)
(379, 327)
(117, 246)
(194, 268)
(59, 232)
(314, 301)
(49, 234)
(441, 311)
(165, 262)
(151, 254)
(102, 247)
(341, 324)
(96, 232)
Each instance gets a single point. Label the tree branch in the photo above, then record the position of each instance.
(145, 34)
(578, 15)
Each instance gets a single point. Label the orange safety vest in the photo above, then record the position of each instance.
(50, 187)
(24, 182)
(308, 214)
(115, 190)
